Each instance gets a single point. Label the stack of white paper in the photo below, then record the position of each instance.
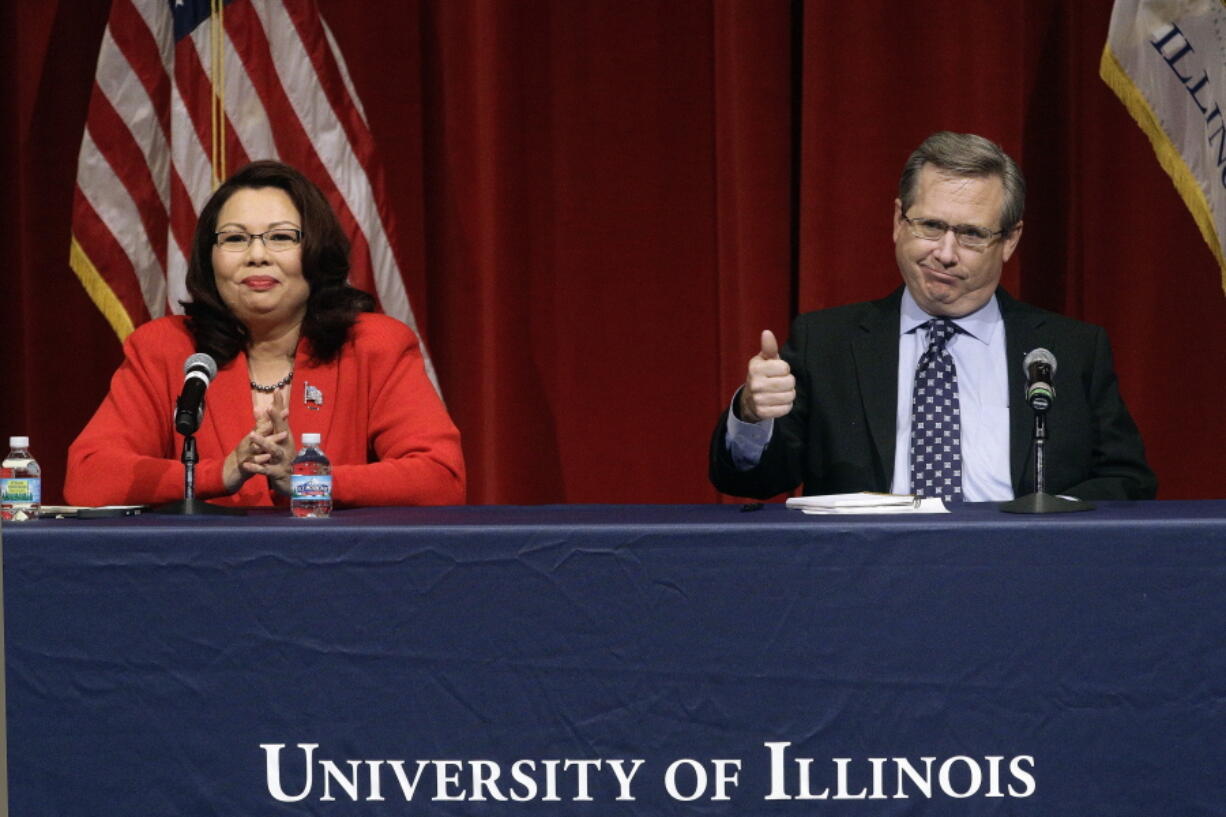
(867, 503)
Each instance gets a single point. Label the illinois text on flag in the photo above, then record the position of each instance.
(1166, 60)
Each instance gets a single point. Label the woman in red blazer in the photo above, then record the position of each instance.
(298, 350)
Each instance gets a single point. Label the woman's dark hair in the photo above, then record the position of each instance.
(333, 305)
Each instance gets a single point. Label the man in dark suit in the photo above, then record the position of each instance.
(923, 391)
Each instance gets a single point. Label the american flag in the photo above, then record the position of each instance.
(187, 92)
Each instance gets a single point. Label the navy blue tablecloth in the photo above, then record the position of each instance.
(963, 664)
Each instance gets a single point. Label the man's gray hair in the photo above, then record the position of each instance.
(967, 155)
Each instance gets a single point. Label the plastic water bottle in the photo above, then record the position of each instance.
(311, 481)
(21, 484)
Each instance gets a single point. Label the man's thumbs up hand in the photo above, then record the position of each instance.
(770, 388)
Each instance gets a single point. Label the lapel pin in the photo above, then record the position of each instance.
(313, 397)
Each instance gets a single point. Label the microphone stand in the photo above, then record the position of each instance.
(1041, 501)
(189, 505)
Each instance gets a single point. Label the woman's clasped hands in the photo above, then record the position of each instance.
(268, 449)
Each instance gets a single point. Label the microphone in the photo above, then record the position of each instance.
(199, 371)
(1040, 368)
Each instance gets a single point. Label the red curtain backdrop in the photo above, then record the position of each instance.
(601, 203)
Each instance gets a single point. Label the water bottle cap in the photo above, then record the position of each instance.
(310, 439)
(19, 442)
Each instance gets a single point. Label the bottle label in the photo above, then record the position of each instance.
(24, 490)
(311, 486)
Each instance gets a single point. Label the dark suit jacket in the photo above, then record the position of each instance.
(839, 436)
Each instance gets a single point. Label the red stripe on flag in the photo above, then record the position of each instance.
(315, 42)
(115, 143)
(182, 215)
(236, 154)
(108, 257)
(131, 34)
(196, 89)
(307, 22)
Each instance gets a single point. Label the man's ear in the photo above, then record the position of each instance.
(1010, 241)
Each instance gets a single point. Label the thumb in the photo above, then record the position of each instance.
(770, 346)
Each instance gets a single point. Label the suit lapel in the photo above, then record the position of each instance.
(876, 355)
(230, 410)
(1021, 335)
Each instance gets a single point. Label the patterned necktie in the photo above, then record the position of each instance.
(936, 420)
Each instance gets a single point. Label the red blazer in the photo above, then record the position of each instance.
(382, 424)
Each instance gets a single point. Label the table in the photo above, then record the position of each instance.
(752, 663)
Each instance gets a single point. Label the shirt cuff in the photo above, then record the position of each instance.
(746, 441)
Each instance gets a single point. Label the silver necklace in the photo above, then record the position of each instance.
(285, 381)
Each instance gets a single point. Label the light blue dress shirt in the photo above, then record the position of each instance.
(983, 395)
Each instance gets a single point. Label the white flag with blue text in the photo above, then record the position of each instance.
(1166, 61)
